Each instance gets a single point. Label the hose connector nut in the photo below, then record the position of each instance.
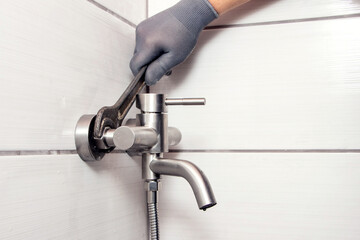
(152, 186)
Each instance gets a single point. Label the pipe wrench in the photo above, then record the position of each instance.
(111, 117)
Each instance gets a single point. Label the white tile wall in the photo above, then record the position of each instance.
(61, 197)
(271, 86)
(274, 10)
(287, 86)
(266, 196)
(293, 86)
(132, 10)
(58, 60)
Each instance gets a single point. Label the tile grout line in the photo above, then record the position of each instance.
(102, 7)
(148, 88)
(43, 152)
(36, 152)
(264, 151)
(74, 152)
(282, 21)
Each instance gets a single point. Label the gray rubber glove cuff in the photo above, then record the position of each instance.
(194, 14)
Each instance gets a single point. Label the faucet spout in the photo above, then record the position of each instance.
(198, 181)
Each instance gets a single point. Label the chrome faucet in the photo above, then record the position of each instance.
(154, 116)
(150, 135)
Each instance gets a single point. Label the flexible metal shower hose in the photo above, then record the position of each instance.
(153, 221)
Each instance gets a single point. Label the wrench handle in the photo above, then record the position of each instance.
(112, 116)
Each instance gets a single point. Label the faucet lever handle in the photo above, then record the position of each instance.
(185, 101)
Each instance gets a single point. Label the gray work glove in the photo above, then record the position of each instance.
(166, 39)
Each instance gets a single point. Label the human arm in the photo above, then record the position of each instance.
(223, 6)
(166, 39)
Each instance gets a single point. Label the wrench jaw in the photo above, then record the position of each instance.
(105, 118)
(101, 144)
(86, 144)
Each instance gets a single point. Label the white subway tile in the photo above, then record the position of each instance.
(132, 10)
(58, 61)
(276, 10)
(266, 196)
(288, 86)
(62, 197)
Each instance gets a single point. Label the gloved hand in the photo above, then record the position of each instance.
(166, 39)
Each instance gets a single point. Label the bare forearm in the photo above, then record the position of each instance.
(222, 6)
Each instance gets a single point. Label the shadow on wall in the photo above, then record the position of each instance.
(181, 73)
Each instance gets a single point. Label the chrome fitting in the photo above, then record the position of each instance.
(153, 185)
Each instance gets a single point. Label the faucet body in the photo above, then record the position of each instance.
(150, 135)
(154, 115)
